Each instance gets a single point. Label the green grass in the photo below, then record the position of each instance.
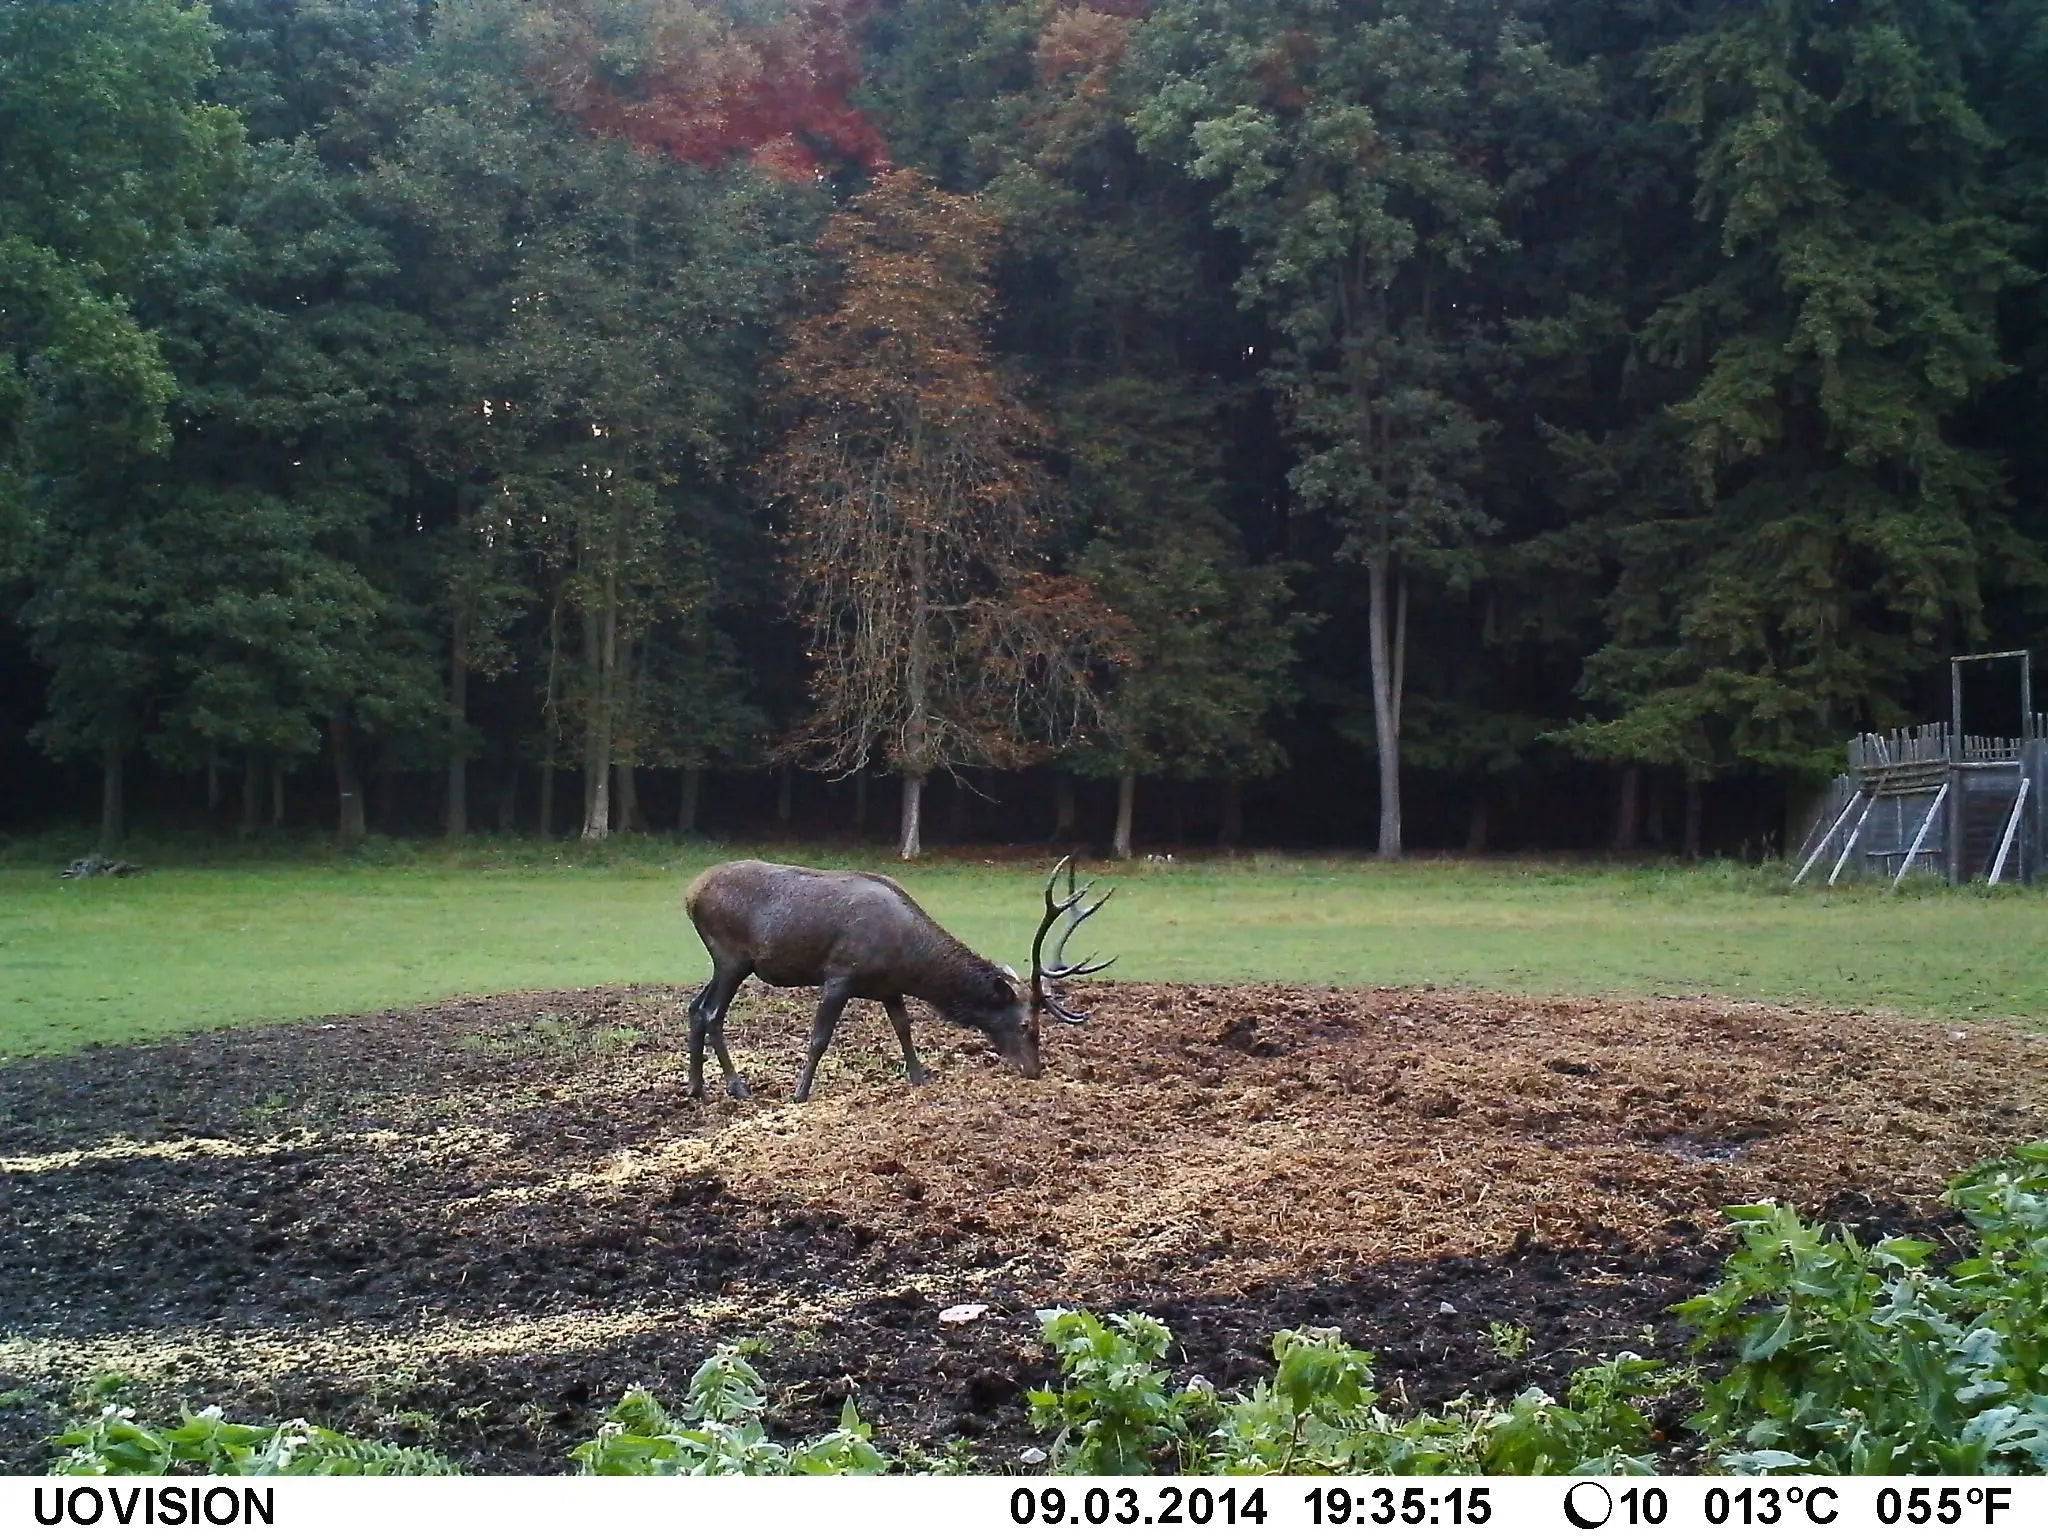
(213, 936)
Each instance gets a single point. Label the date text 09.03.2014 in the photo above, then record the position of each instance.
(1171, 1504)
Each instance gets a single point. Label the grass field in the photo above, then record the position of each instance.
(208, 939)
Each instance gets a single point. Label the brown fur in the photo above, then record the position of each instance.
(854, 935)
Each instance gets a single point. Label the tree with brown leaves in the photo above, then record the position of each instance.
(938, 637)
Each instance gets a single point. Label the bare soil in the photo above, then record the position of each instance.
(475, 1224)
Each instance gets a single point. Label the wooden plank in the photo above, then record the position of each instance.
(1920, 837)
(2012, 825)
(1831, 831)
(1850, 846)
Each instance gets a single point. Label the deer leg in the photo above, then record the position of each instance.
(900, 1017)
(707, 1020)
(830, 1006)
(699, 1023)
(734, 1083)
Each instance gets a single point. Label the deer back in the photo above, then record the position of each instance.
(800, 927)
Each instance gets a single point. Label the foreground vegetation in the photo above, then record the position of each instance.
(192, 945)
(1814, 1353)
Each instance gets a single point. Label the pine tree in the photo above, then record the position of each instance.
(1831, 529)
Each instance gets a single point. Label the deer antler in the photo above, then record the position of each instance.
(1077, 909)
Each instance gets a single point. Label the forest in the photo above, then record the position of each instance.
(1439, 424)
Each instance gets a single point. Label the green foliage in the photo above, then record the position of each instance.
(1319, 1415)
(107, 157)
(1367, 157)
(1338, 159)
(1117, 1414)
(1838, 524)
(271, 530)
(938, 75)
(205, 1444)
(717, 1432)
(1114, 1413)
(596, 320)
(1510, 1340)
(299, 67)
(1211, 641)
(1874, 1361)
(107, 154)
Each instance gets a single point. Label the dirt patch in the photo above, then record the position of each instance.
(477, 1222)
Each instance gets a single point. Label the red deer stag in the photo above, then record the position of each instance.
(859, 935)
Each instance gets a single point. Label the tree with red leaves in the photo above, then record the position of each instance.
(939, 639)
(693, 80)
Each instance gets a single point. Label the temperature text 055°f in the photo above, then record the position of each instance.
(1979, 1504)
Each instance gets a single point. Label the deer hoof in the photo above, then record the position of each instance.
(737, 1087)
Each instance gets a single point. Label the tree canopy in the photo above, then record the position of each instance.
(1397, 424)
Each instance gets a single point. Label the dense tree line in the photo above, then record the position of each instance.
(1535, 409)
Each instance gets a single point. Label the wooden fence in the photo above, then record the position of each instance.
(1925, 801)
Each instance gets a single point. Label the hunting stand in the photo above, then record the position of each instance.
(1933, 799)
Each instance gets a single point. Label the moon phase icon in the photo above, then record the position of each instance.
(1588, 1505)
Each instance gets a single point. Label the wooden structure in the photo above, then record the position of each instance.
(1934, 800)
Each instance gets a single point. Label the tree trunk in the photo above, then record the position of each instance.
(693, 789)
(911, 841)
(601, 651)
(625, 798)
(597, 794)
(1230, 829)
(252, 795)
(351, 826)
(113, 799)
(1386, 694)
(384, 777)
(1476, 824)
(213, 788)
(860, 801)
(1628, 810)
(276, 793)
(551, 716)
(1176, 813)
(1653, 829)
(1692, 817)
(1126, 805)
(590, 672)
(508, 798)
(457, 821)
(911, 844)
(1062, 807)
(630, 672)
(785, 795)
